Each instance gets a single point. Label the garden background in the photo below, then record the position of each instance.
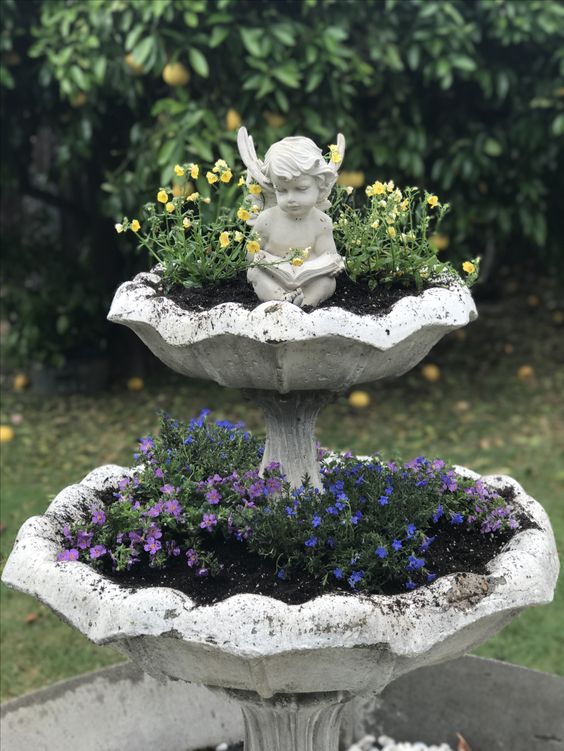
(101, 98)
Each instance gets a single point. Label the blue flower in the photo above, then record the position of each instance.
(332, 510)
(383, 500)
(355, 577)
(338, 573)
(410, 585)
(316, 521)
(415, 563)
(456, 519)
(410, 530)
(438, 513)
(431, 577)
(281, 574)
(397, 545)
(290, 511)
(381, 552)
(356, 517)
(311, 542)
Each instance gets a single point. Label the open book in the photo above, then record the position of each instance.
(292, 277)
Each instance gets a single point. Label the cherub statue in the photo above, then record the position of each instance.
(298, 260)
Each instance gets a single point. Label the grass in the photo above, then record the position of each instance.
(479, 413)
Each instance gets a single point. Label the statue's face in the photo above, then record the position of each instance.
(296, 196)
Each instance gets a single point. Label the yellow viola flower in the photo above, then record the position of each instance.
(432, 201)
(224, 239)
(243, 214)
(135, 226)
(193, 197)
(468, 267)
(226, 176)
(220, 165)
(239, 236)
(392, 231)
(162, 196)
(390, 186)
(253, 247)
(118, 227)
(169, 207)
(378, 188)
(297, 261)
(178, 170)
(194, 171)
(211, 178)
(232, 119)
(241, 182)
(369, 191)
(305, 252)
(375, 224)
(254, 189)
(186, 223)
(336, 157)
(255, 209)
(404, 205)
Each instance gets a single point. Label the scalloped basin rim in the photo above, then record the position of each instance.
(523, 574)
(279, 322)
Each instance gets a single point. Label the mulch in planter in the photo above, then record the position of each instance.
(355, 297)
(455, 549)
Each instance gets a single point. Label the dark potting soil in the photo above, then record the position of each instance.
(355, 297)
(455, 549)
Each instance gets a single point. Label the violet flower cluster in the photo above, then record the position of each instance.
(196, 487)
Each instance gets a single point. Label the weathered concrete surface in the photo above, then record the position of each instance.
(278, 346)
(497, 707)
(254, 643)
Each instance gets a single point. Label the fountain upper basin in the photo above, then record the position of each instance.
(280, 347)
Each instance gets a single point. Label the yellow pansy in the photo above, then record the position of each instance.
(369, 190)
(375, 224)
(178, 170)
(186, 223)
(194, 171)
(390, 186)
(193, 196)
(226, 176)
(220, 165)
(336, 157)
(404, 205)
(162, 196)
(241, 182)
(378, 188)
(211, 178)
(239, 236)
(169, 207)
(253, 246)
(135, 226)
(243, 214)
(297, 261)
(254, 189)
(468, 267)
(224, 239)
(432, 201)
(392, 231)
(118, 227)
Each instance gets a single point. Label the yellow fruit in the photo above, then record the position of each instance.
(133, 65)
(525, 372)
(232, 119)
(20, 382)
(175, 74)
(274, 119)
(431, 372)
(6, 433)
(135, 384)
(441, 242)
(359, 399)
(79, 100)
(354, 179)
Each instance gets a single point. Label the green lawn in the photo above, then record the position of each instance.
(480, 413)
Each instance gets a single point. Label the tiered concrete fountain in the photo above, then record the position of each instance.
(292, 668)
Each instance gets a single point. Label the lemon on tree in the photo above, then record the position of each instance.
(175, 74)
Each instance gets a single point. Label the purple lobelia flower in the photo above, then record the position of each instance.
(192, 558)
(208, 522)
(152, 546)
(97, 551)
(83, 539)
(213, 496)
(172, 507)
(68, 555)
(98, 516)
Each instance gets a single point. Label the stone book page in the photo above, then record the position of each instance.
(294, 276)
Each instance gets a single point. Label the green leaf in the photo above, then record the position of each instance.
(284, 33)
(558, 125)
(462, 62)
(133, 37)
(100, 69)
(219, 34)
(288, 74)
(251, 39)
(492, 147)
(198, 62)
(313, 81)
(143, 50)
(413, 57)
(165, 152)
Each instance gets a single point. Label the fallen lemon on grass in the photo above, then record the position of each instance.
(135, 384)
(431, 372)
(525, 372)
(359, 399)
(175, 74)
(20, 382)
(6, 433)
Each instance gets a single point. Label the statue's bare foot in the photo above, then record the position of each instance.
(296, 297)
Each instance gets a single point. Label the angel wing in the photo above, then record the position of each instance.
(341, 146)
(255, 172)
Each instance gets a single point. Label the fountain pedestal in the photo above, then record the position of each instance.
(290, 431)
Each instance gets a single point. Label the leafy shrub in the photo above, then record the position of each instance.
(373, 523)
